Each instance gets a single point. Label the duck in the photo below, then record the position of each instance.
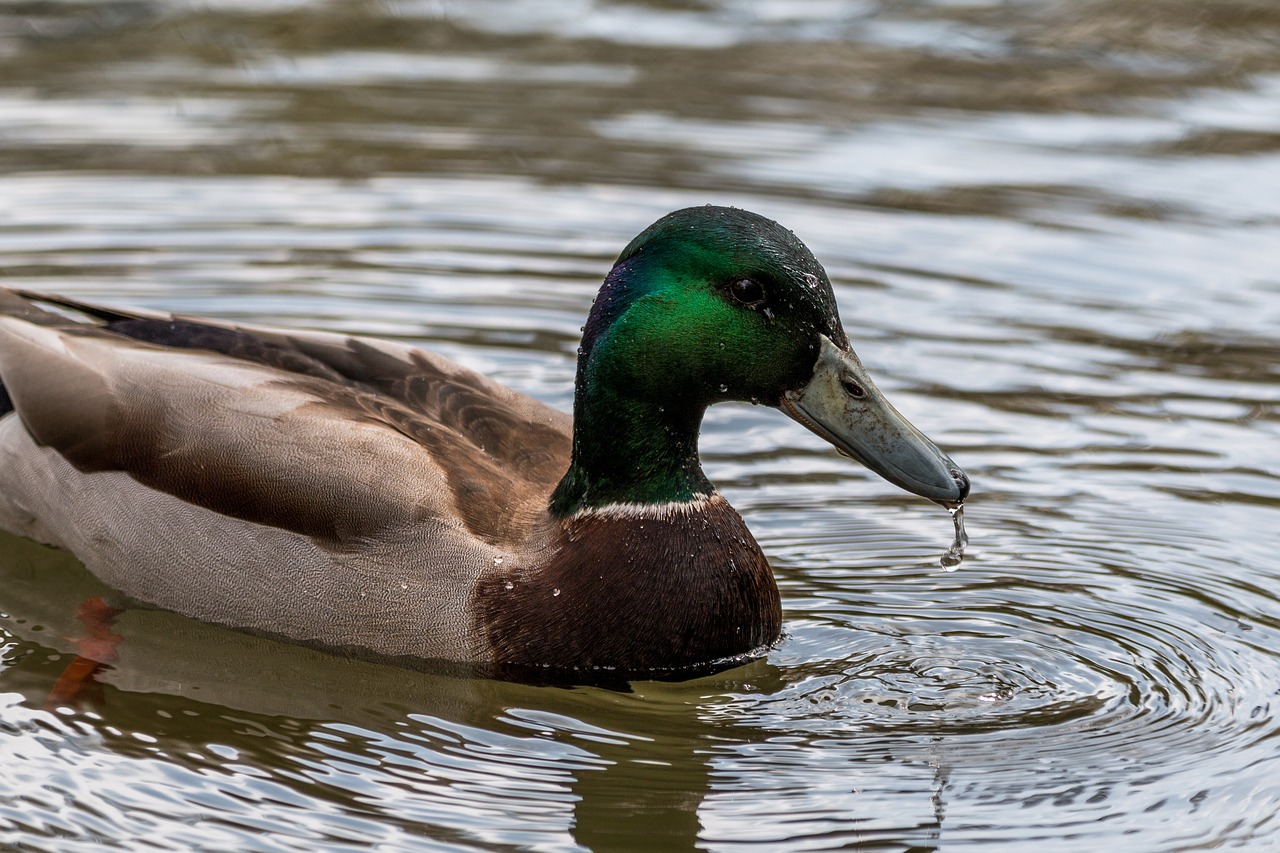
(370, 498)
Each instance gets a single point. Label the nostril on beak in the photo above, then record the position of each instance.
(852, 388)
(962, 480)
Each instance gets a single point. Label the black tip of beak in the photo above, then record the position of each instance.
(962, 480)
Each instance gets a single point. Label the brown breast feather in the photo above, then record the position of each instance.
(633, 593)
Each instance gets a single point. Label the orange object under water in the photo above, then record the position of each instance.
(95, 651)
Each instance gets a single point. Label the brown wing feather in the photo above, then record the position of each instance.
(498, 453)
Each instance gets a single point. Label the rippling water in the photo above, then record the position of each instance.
(1053, 232)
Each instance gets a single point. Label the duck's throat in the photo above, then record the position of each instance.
(629, 451)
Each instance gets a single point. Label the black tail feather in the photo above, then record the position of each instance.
(106, 315)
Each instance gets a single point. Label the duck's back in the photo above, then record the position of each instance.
(209, 469)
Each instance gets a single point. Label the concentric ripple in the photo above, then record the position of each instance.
(1025, 638)
(1065, 656)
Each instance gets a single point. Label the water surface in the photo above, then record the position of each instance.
(1052, 230)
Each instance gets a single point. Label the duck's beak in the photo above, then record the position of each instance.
(842, 404)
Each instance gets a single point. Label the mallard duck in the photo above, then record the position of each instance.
(365, 496)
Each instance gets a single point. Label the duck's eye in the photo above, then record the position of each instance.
(747, 292)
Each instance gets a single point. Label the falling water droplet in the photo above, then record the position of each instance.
(723, 388)
(556, 592)
(951, 560)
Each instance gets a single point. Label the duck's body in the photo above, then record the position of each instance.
(364, 495)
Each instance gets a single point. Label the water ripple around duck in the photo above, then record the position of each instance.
(1072, 657)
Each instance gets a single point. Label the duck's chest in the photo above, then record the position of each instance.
(634, 590)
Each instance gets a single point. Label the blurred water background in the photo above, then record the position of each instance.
(1054, 232)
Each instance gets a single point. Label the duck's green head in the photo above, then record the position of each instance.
(711, 304)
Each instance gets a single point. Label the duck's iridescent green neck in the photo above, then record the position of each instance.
(628, 450)
(635, 428)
